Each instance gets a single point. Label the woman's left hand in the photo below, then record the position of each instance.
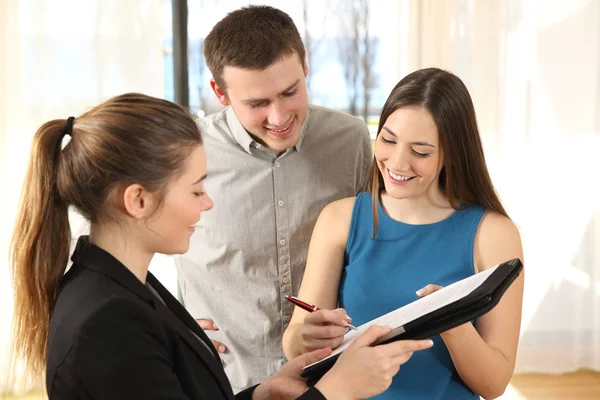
(287, 383)
(428, 290)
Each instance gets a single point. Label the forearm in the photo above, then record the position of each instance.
(484, 369)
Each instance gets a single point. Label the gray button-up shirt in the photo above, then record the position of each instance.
(250, 250)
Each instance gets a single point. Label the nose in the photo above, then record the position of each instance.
(208, 203)
(399, 161)
(278, 116)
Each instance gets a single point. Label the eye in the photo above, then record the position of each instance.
(384, 140)
(198, 194)
(422, 155)
(290, 94)
(257, 105)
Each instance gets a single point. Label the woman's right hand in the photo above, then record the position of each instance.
(363, 370)
(323, 328)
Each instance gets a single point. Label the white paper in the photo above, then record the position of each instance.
(418, 308)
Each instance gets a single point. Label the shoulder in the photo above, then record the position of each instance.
(117, 316)
(341, 120)
(497, 240)
(213, 124)
(339, 209)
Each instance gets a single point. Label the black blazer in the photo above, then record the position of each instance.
(111, 338)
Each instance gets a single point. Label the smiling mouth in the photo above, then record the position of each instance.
(283, 131)
(397, 178)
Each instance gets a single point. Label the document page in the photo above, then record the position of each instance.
(419, 307)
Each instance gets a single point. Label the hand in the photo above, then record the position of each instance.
(287, 383)
(209, 325)
(427, 290)
(323, 328)
(363, 370)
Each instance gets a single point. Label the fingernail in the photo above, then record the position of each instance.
(221, 349)
(430, 342)
(348, 318)
(215, 327)
(344, 322)
(420, 292)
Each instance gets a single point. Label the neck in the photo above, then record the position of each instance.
(427, 208)
(111, 238)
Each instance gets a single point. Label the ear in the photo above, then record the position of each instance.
(219, 92)
(138, 202)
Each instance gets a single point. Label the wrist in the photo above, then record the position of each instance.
(261, 392)
(331, 388)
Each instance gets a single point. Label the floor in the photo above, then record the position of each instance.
(583, 385)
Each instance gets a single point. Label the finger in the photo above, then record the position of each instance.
(428, 290)
(371, 335)
(322, 343)
(335, 317)
(323, 331)
(207, 324)
(311, 357)
(395, 349)
(219, 346)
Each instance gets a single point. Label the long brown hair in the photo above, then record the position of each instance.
(132, 138)
(464, 178)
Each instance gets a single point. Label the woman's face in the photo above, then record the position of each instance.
(408, 153)
(172, 225)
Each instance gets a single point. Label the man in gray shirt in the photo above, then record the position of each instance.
(274, 162)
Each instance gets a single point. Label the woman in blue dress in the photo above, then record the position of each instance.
(430, 217)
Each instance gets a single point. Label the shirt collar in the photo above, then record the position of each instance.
(243, 138)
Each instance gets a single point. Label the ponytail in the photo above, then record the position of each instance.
(39, 249)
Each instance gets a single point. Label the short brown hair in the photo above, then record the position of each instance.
(464, 178)
(252, 37)
(132, 138)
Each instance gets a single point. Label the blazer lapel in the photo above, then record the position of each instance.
(179, 319)
(93, 257)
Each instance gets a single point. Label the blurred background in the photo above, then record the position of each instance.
(532, 67)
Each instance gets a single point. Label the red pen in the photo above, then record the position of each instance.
(308, 307)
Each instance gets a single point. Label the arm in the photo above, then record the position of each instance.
(484, 355)
(118, 354)
(321, 281)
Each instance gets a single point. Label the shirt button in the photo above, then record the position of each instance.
(277, 164)
(286, 318)
(285, 279)
(280, 203)
(282, 242)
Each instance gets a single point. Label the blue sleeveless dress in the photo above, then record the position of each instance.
(383, 274)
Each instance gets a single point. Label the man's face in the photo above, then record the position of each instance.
(271, 104)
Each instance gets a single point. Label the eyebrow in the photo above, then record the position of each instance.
(251, 101)
(413, 143)
(203, 177)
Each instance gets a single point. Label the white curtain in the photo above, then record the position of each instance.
(57, 59)
(533, 69)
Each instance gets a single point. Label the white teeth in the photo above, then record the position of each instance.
(283, 129)
(399, 177)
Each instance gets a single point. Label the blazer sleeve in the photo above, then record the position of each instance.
(121, 353)
(311, 394)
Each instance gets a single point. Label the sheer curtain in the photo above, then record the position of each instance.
(533, 69)
(58, 58)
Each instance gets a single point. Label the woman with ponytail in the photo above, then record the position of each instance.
(107, 329)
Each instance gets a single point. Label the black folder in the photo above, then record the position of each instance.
(484, 293)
